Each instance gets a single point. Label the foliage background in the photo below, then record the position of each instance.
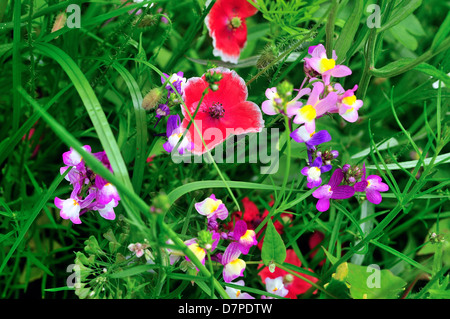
(86, 86)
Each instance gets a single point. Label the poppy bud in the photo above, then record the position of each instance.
(152, 98)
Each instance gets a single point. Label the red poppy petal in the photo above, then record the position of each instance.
(232, 89)
(193, 91)
(245, 117)
(251, 211)
(228, 43)
(241, 8)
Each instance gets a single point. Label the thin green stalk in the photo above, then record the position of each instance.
(329, 44)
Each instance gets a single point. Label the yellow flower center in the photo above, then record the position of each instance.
(75, 203)
(327, 64)
(308, 113)
(349, 100)
(238, 293)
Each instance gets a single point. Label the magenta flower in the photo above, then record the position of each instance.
(246, 238)
(320, 63)
(314, 108)
(332, 190)
(233, 266)
(372, 186)
(314, 172)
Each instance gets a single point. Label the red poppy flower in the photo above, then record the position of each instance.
(222, 113)
(227, 28)
(294, 284)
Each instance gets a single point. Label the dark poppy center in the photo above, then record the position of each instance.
(216, 110)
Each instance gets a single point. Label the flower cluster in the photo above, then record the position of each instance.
(90, 191)
(174, 85)
(324, 97)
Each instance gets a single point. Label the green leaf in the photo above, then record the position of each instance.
(432, 71)
(141, 126)
(273, 248)
(330, 257)
(372, 283)
(348, 32)
(400, 13)
(442, 33)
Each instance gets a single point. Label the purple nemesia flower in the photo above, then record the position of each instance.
(301, 135)
(162, 110)
(200, 252)
(177, 80)
(233, 266)
(212, 208)
(332, 190)
(174, 134)
(246, 238)
(372, 186)
(320, 63)
(235, 293)
(101, 196)
(314, 172)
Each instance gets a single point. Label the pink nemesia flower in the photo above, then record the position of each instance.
(212, 208)
(314, 108)
(276, 287)
(320, 63)
(246, 238)
(138, 249)
(70, 209)
(272, 106)
(222, 113)
(348, 105)
(227, 27)
(233, 266)
(236, 293)
(200, 252)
